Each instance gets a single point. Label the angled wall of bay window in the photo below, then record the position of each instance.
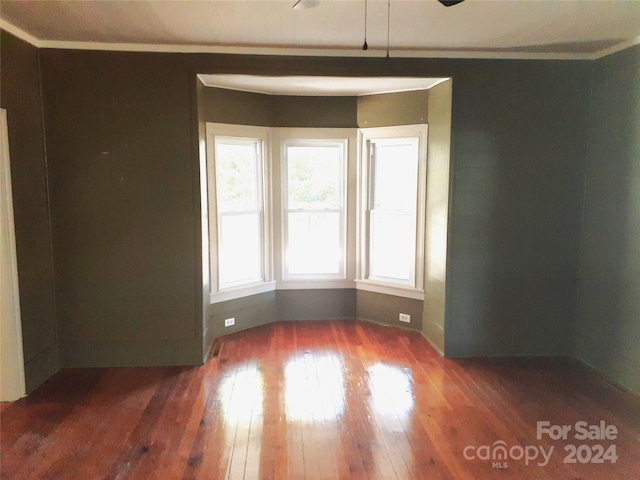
(388, 286)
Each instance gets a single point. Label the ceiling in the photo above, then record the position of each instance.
(319, 86)
(422, 28)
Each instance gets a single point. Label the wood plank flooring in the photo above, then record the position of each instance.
(321, 400)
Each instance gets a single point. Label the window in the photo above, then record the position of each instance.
(314, 208)
(391, 233)
(316, 218)
(237, 197)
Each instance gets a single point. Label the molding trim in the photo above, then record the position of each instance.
(315, 284)
(308, 52)
(617, 48)
(397, 291)
(21, 34)
(242, 291)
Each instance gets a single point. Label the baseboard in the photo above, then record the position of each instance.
(435, 347)
(38, 369)
(152, 353)
(610, 380)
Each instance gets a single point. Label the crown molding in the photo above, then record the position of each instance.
(617, 48)
(19, 33)
(313, 52)
(308, 52)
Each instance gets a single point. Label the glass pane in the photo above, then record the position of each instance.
(240, 249)
(237, 176)
(313, 243)
(313, 176)
(392, 246)
(395, 173)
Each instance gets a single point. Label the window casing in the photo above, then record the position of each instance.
(392, 182)
(313, 208)
(239, 226)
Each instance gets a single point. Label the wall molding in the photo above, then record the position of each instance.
(617, 48)
(309, 52)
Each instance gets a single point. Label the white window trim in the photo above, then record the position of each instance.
(242, 291)
(389, 289)
(356, 191)
(341, 210)
(267, 283)
(314, 284)
(348, 137)
(363, 282)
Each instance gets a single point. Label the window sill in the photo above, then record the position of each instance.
(388, 289)
(257, 288)
(242, 291)
(314, 284)
(367, 285)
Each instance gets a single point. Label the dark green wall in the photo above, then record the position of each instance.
(517, 157)
(220, 105)
(329, 112)
(383, 308)
(248, 312)
(608, 325)
(316, 304)
(437, 213)
(125, 207)
(518, 146)
(518, 151)
(246, 108)
(122, 138)
(21, 97)
(389, 109)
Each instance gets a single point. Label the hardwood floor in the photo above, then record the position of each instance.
(315, 400)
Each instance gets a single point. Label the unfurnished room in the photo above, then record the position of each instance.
(320, 239)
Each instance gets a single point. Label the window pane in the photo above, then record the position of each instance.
(313, 176)
(392, 246)
(236, 176)
(240, 249)
(395, 172)
(313, 243)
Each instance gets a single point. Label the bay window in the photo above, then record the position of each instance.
(314, 217)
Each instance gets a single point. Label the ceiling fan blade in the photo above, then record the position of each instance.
(450, 3)
(304, 4)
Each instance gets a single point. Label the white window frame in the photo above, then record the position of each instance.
(415, 287)
(266, 282)
(342, 144)
(348, 136)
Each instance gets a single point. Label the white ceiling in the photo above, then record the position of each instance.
(319, 86)
(475, 28)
